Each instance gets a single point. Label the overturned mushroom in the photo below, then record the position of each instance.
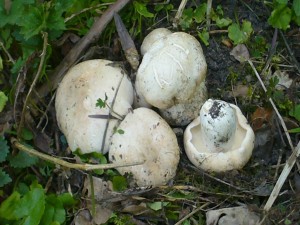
(146, 137)
(76, 100)
(172, 68)
(220, 139)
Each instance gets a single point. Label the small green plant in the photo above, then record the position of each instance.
(3, 100)
(295, 112)
(35, 207)
(240, 33)
(20, 160)
(284, 12)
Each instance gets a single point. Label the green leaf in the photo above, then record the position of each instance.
(142, 9)
(295, 130)
(26, 134)
(3, 100)
(101, 103)
(119, 131)
(54, 211)
(67, 199)
(240, 34)
(4, 149)
(1, 65)
(296, 19)
(296, 7)
(14, 13)
(4, 178)
(55, 23)
(282, 1)
(62, 6)
(200, 12)
(157, 205)
(8, 207)
(295, 112)
(187, 18)
(223, 22)
(34, 22)
(22, 160)
(204, 36)
(31, 207)
(280, 17)
(119, 183)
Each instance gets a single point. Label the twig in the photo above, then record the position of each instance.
(208, 13)
(273, 105)
(85, 10)
(92, 36)
(297, 65)
(179, 13)
(7, 53)
(84, 166)
(192, 213)
(271, 51)
(110, 113)
(43, 55)
(127, 43)
(45, 112)
(284, 174)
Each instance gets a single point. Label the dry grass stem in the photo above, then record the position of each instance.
(57, 161)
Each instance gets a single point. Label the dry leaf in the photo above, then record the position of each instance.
(284, 81)
(83, 217)
(240, 90)
(240, 53)
(261, 116)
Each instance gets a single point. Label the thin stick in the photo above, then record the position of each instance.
(296, 63)
(179, 13)
(192, 213)
(7, 53)
(208, 13)
(292, 159)
(84, 166)
(284, 174)
(37, 75)
(274, 106)
(73, 55)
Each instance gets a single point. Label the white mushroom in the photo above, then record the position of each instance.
(183, 113)
(220, 139)
(171, 70)
(152, 37)
(76, 100)
(147, 137)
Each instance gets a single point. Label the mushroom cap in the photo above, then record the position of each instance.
(236, 154)
(76, 99)
(183, 113)
(147, 137)
(171, 70)
(152, 37)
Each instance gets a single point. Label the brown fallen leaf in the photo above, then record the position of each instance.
(260, 116)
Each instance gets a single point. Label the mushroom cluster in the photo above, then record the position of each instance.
(171, 77)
